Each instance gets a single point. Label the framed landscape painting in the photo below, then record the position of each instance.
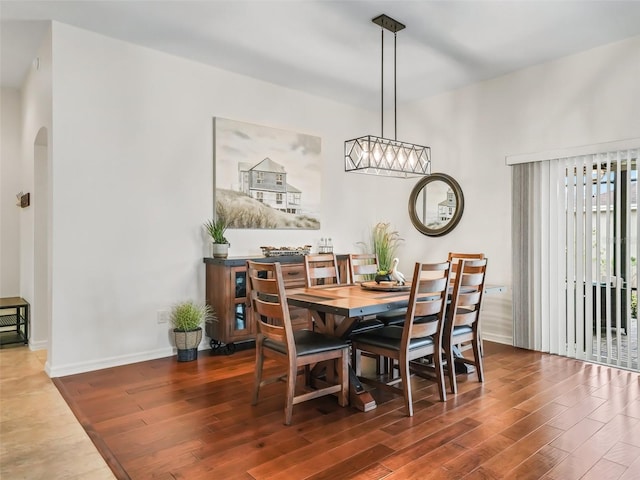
(266, 177)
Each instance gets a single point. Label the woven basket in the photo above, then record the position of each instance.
(188, 340)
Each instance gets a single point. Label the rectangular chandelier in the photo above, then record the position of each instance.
(382, 156)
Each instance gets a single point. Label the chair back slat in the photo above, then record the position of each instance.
(322, 272)
(321, 269)
(421, 330)
(269, 310)
(431, 285)
(424, 309)
(265, 285)
(362, 266)
(465, 317)
(272, 332)
(468, 298)
(472, 278)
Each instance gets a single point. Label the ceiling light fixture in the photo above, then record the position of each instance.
(382, 156)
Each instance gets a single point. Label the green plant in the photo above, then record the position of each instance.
(384, 242)
(216, 228)
(187, 316)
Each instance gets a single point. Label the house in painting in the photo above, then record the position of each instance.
(447, 207)
(266, 182)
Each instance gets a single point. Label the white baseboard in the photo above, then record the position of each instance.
(504, 339)
(41, 345)
(82, 367)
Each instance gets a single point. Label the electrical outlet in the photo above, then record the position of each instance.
(163, 316)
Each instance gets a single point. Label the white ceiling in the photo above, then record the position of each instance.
(331, 48)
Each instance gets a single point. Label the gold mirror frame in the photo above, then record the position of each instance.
(417, 191)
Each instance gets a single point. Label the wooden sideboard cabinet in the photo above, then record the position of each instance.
(226, 293)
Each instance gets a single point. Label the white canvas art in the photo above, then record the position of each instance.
(266, 177)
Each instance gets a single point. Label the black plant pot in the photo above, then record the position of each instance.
(187, 355)
(383, 278)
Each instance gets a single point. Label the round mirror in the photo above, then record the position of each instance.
(436, 204)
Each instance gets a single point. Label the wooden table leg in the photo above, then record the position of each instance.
(459, 365)
(358, 396)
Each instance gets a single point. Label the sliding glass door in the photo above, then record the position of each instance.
(575, 227)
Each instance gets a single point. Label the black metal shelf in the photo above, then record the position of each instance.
(14, 327)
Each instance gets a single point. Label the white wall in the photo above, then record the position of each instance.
(132, 173)
(10, 122)
(132, 176)
(583, 99)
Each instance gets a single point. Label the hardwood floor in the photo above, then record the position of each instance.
(537, 416)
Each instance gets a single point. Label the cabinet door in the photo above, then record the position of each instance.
(241, 326)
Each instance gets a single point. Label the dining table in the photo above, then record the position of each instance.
(336, 309)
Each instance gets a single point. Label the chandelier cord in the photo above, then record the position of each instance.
(382, 82)
(395, 90)
(395, 84)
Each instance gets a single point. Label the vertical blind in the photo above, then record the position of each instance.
(575, 256)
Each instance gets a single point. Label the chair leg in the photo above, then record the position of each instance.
(451, 366)
(389, 365)
(477, 353)
(403, 365)
(291, 390)
(440, 377)
(307, 375)
(355, 360)
(257, 373)
(343, 376)
(381, 365)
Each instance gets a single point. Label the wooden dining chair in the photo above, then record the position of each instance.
(420, 336)
(321, 269)
(462, 326)
(277, 340)
(362, 268)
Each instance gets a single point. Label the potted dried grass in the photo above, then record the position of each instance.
(384, 242)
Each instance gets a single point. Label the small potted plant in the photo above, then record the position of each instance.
(187, 319)
(216, 230)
